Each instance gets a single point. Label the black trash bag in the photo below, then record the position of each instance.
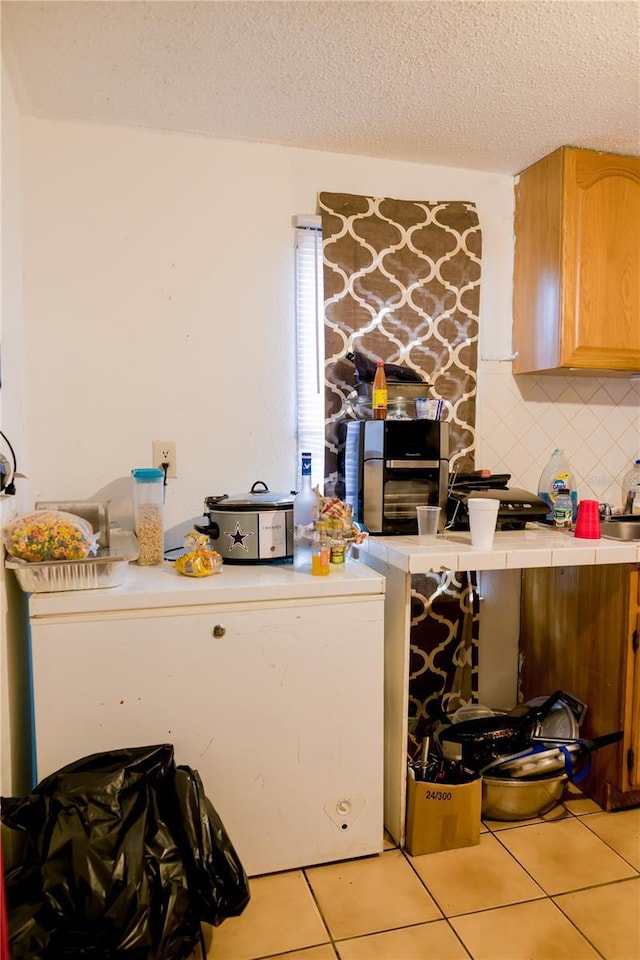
(217, 882)
(366, 370)
(109, 870)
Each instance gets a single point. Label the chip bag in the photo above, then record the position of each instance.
(199, 561)
(49, 535)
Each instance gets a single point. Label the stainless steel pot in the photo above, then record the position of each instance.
(253, 527)
(520, 799)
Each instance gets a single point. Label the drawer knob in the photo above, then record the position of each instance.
(218, 631)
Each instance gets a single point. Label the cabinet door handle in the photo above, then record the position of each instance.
(218, 631)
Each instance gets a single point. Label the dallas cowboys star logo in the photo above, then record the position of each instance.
(237, 538)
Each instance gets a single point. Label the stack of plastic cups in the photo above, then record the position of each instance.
(588, 520)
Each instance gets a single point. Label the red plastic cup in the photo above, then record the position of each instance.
(588, 520)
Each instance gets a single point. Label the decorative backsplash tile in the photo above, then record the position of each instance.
(595, 421)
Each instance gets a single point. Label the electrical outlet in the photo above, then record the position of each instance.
(164, 451)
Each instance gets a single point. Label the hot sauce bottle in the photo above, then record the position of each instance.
(379, 393)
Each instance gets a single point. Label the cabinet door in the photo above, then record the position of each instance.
(576, 298)
(575, 635)
(278, 708)
(601, 276)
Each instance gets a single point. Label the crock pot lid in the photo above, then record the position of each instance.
(253, 500)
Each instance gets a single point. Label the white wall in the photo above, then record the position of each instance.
(159, 300)
(14, 711)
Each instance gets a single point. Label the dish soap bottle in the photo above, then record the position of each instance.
(305, 514)
(631, 490)
(379, 393)
(556, 475)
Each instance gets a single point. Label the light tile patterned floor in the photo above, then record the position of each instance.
(564, 887)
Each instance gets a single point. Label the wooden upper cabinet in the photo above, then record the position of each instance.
(576, 302)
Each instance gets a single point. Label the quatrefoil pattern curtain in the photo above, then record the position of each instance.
(402, 284)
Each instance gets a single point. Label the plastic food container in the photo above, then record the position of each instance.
(148, 512)
(107, 569)
(94, 512)
(470, 711)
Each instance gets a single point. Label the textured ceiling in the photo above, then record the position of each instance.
(465, 83)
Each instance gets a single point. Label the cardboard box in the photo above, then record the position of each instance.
(442, 816)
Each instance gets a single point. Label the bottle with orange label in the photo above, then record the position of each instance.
(320, 551)
(379, 393)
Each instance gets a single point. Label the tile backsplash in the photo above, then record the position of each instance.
(522, 419)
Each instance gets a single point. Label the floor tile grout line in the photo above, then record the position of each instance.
(604, 883)
(583, 818)
(613, 849)
(521, 865)
(435, 900)
(320, 911)
(575, 925)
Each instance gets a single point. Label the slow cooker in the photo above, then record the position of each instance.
(253, 527)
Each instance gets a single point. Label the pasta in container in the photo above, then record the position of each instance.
(47, 535)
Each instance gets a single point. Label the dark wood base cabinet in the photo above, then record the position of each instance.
(579, 632)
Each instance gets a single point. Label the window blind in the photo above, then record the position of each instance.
(310, 344)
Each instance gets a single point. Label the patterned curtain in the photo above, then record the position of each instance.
(445, 626)
(402, 284)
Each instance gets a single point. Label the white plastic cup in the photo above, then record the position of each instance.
(483, 516)
(428, 522)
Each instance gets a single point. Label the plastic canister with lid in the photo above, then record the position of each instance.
(148, 513)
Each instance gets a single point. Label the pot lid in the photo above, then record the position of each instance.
(559, 723)
(257, 498)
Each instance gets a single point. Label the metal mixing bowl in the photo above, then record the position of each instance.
(506, 799)
(401, 402)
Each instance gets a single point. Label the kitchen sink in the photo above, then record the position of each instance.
(623, 527)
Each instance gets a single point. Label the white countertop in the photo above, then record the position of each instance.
(163, 586)
(535, 546)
